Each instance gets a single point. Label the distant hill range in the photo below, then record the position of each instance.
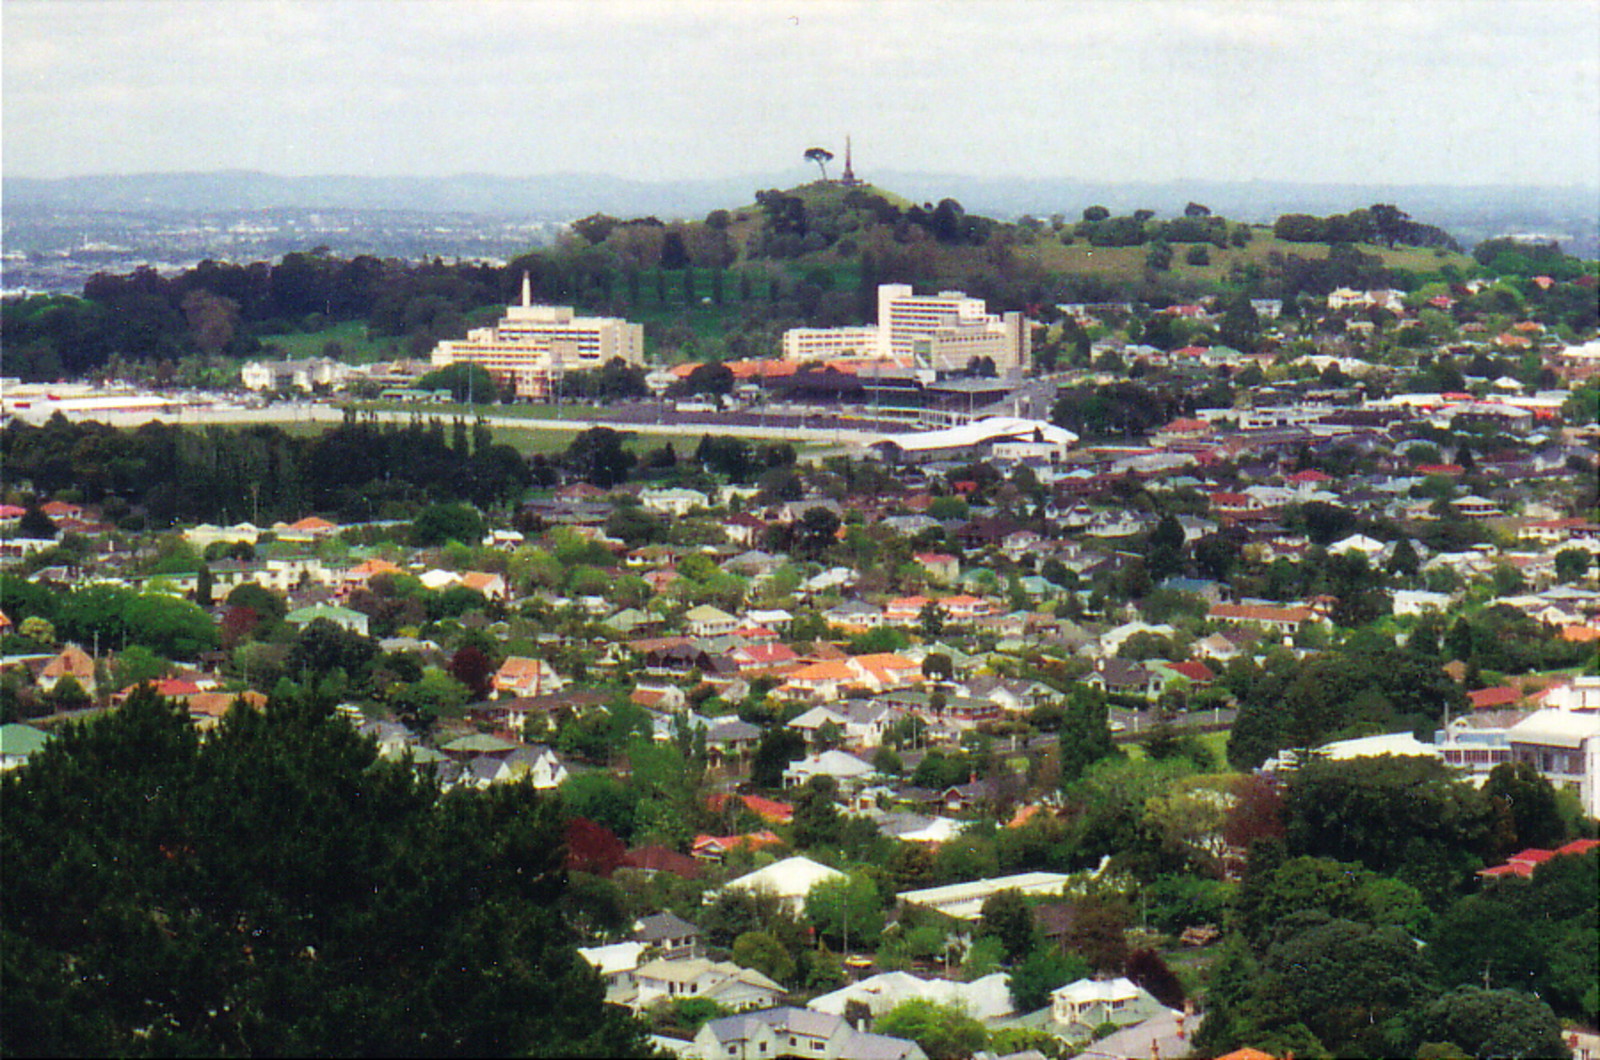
(1569, 215)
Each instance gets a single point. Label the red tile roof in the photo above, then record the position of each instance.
(1498, 696)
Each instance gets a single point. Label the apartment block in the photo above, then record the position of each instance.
(534, 345)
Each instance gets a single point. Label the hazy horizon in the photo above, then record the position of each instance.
(1346, 92)
(799, 175)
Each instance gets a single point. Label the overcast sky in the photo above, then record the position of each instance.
(1399, 91)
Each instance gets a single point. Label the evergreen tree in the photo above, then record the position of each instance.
(1085, 733)
(279, 890)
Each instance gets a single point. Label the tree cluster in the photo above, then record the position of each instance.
(161, 474)
(276, 889)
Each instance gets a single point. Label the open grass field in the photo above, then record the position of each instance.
(534, 437)
(350, 337)
(1128, 262)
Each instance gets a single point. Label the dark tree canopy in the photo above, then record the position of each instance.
(278, 890)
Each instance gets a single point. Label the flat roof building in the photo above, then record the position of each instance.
(945, 332)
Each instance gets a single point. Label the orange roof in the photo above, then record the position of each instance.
(478, 580)
(1498, 696)
(1247, 1053)
(962, 600)
(1023, 815)
(216, 704)
(312, 522)
(761, 369)
(886, 659)
(1580, 634)
(766, 809)
(73, 660)
(1260, 613)
(719, 843)
(828, 670)
(371, 567)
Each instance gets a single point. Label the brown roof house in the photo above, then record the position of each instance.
(72, 662)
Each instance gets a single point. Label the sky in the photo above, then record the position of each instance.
(1373, 91)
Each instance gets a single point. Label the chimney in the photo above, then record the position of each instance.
(527, 291)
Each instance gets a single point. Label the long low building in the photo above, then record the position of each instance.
(1004, 436)
(964, 901)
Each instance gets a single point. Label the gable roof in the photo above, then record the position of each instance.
(659, 926)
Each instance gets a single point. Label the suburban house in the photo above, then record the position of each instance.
(1283, 620)
(845, 768)
(345, 618)
(708, 621)
(616, 964)
(673, 936)
(727, 984)
(795, 1032)
(72, 661)
(522, 676)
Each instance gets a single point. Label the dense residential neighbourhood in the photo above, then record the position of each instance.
(1202, 676)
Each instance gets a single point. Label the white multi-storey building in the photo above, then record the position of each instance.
(533, 345)
(945, 332)
(948, 331)
(827, 344)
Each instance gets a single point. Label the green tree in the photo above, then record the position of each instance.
(247, 895)
(170, 626)
(1517, 791)
(945, 1032)
(1411, 817)
(597, 456)
(36, 524)
(777, 747)
(136, 664)
(1493, 1023)
(1085, 736)
(762, 951)
(466, 383)
(820, 156)
(816, 818)
(1572, 564)
(1041, 972)
(441, 523)
(847, 912)
(1007, 916)
(1351, 984)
